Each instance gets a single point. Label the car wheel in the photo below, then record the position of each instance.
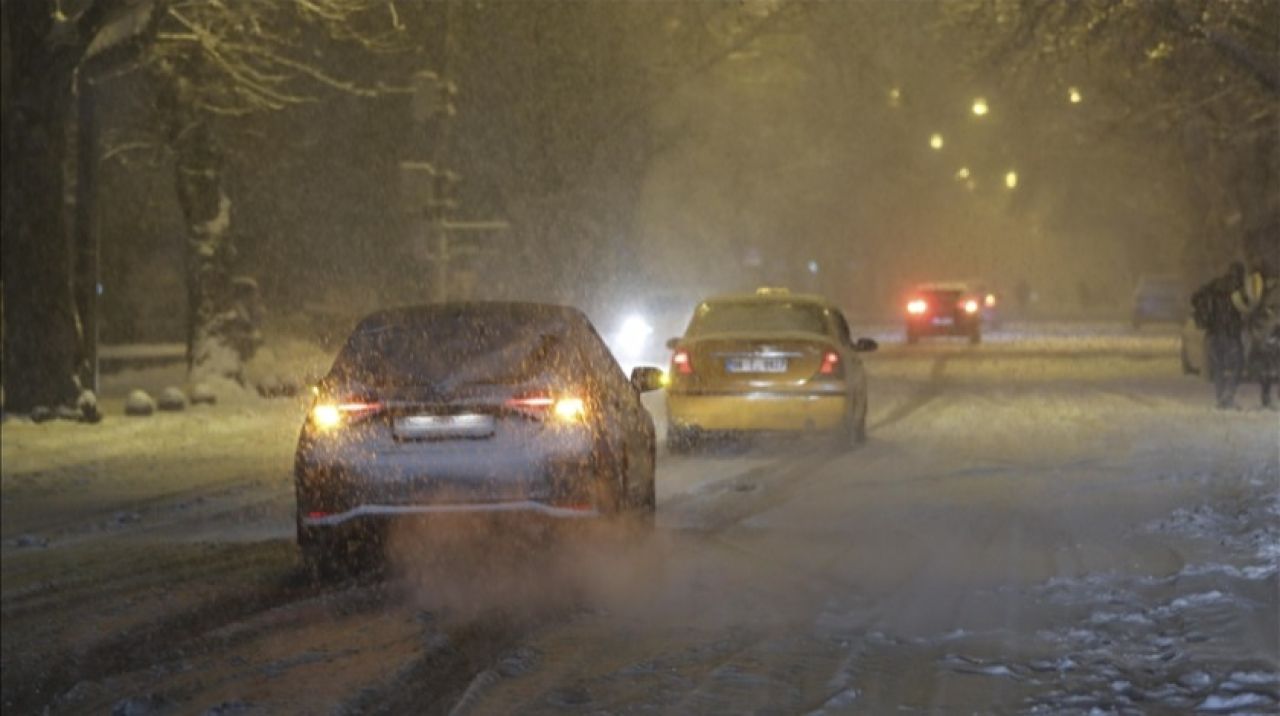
(323, 554)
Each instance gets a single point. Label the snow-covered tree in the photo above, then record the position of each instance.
(214, 64)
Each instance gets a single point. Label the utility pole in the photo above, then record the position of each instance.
(430, 187)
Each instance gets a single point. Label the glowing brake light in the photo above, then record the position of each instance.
(917, 307)
(680, 359)
(569, 410)
(566, 409)
(327, 416)
(830, 362)
(533, 401)
(971, 306)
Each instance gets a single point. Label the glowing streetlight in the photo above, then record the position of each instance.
(1011, 179)
(935, 141)
(895, 97)
(1074, 95)
(963, 173)
(980, 107)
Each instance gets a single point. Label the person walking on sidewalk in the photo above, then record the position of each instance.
(1223, 324)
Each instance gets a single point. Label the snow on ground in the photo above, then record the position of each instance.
(1068, 528)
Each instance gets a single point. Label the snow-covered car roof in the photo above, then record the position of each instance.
(768, 298)
(945, 286)
(410, 315)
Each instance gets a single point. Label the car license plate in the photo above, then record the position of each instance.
(439, 427)
(756, 365)
(943, 320)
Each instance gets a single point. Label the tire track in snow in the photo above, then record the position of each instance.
(922, 396)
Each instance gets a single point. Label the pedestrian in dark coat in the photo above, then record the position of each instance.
(1223, 324)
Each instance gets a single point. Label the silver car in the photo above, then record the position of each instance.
(489, 408)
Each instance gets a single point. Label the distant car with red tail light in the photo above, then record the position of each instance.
(945, 309)
(471, 408)
(770, 361)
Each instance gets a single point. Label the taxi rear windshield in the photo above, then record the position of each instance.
(757, 317)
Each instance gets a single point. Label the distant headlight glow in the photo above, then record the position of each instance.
(633, 335)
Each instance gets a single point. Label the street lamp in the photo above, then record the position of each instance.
(980, 107)
(1073, 93)
(895, 97)
(1011, 179)
(963, 173)
(935, 141)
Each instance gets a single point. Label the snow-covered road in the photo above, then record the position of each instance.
(1054, 522)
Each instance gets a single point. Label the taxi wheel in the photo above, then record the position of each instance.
(854, 431)
(860, 426)
(681, 441)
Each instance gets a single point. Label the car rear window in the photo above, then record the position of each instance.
(458, 348)
(757, 317)
(942, 297)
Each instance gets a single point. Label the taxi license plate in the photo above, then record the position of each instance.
(439, 427)
(756, 365)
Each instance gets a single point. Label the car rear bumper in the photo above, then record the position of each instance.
(959, 327)
(379, 478)
(374, 511)
(757, 411)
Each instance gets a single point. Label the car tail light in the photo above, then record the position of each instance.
(917, 306)
(328, 416)
(565, 409)
(830, 364)
(681, 361)
(971, 306)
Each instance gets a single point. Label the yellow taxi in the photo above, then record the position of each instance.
(772, 361)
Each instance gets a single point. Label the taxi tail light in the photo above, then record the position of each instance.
(681, 361)
(831, 365)
(917, 306)
(970, 306)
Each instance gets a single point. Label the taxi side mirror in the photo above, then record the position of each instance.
(865, 345)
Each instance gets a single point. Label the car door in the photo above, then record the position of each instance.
(856, 378)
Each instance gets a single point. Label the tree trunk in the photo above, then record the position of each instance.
(221, 330)
(41, 328)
